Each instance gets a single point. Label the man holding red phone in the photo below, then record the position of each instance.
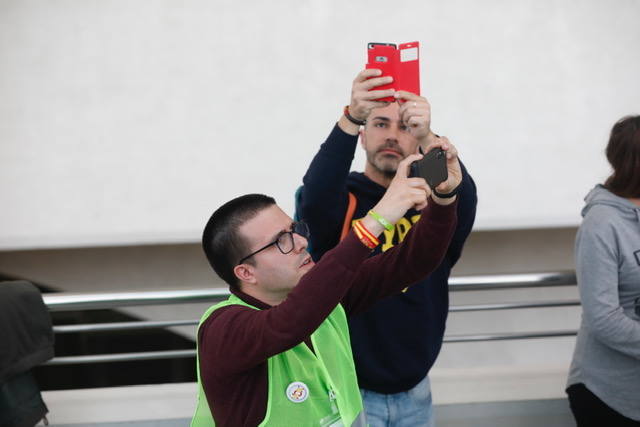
(396, 342)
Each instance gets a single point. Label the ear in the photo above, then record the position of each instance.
(245, 273)
(363, 141)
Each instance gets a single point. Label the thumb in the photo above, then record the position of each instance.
(403, 166)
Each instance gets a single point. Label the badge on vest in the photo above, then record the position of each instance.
(297, 392)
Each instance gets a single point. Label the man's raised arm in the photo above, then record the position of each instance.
(324, 197)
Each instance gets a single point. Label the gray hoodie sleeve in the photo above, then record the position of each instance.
(597, 266)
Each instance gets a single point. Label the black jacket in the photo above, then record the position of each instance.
(26, 338)
(397, 341)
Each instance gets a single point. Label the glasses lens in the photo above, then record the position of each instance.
(285, 242)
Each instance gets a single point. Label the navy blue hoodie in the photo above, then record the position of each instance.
(396, 342)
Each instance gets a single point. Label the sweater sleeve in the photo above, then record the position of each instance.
(324, 196)
(236, 338)
(413, 259)
(467, 202)
(597, 272)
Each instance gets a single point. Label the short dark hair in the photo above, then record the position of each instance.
(222, 243)
(623, 153)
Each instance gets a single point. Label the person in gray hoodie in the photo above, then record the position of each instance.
(604, 378)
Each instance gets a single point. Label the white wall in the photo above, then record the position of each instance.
(129, 122)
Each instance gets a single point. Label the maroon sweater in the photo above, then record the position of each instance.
(236, 341)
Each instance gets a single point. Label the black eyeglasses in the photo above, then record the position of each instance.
(284, 240)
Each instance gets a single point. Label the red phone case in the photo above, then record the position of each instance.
(383, 56)
(402, 63)
(409, 66)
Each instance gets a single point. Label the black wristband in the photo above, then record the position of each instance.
(446, 195)
(353, 119)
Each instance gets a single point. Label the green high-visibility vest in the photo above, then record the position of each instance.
(305, 389)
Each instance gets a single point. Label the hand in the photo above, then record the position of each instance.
(403, 192)
(415, 113)
(363, 99)
(453, 164)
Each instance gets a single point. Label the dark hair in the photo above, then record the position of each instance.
(623, 153)
(222, 243)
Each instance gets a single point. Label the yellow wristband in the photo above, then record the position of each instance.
(367, 239)
(386, 224)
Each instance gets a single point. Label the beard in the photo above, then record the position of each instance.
(386, 164)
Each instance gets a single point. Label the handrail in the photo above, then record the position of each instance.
(87, 301)
(142, 324)
(514, 305)
(76, 301)
(174, 354)
(120, 326)
(512, 281)
(120, 357)
(509, 336)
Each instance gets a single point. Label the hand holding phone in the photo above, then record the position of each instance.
(401, 63)
(432, 167)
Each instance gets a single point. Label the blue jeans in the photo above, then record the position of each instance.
(412, 408)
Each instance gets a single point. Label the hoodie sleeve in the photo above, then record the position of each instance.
(467, 203)
(597, 258)
(324, 197)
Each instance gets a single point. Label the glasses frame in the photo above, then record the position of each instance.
(298, 227)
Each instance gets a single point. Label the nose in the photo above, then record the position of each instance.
(300, 243)
(392, 133)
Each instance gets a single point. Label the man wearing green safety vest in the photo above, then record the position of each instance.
(277, 352)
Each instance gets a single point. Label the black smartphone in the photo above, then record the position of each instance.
(432, 167)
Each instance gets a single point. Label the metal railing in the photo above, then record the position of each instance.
(73, 301)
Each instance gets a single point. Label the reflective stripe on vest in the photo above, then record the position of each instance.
(305, 388)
